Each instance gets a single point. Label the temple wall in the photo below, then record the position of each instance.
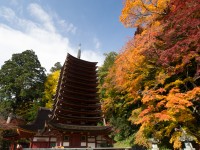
(91, 145)
(66, 144)
(40, 139)
(83, 144)
(71, 140)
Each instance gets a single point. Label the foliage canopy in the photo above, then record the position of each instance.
(22, 81)
(157, 75)
(50, 88)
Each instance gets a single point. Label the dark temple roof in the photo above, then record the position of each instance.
(39, 122)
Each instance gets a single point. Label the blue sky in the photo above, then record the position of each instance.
(53, 28)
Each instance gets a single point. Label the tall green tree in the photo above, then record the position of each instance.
(115, 116)
(103, 70)
(22, 80)
(57, 66)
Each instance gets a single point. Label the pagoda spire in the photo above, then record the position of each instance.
(79, 51)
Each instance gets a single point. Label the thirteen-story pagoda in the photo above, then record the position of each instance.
(74, 119)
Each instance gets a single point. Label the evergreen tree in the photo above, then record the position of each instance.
(22, 81)
(57, 66)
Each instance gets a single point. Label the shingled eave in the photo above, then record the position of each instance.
(80, 128)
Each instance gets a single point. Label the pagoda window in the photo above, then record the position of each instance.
(66, 138)
(66, 141)
(83, 138)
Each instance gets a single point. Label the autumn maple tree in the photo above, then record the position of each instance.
(157, 74)
(137, 12)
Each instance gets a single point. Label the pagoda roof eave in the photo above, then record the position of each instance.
(95, 112)
(81, 128)
(77, 72)
(69, 56)
(62, 102)
(79, 68)
(65, 92)
(79, 99)
(91, 85)
(89, 119)
(71, 61)
(81, 88)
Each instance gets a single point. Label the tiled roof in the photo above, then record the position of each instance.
(39, 122)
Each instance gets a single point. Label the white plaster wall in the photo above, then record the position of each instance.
(65, 143)
(41, 139)
(53, 139)
(83, 143)
(92, 145)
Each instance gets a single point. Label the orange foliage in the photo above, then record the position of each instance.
(136, 12)
(127, 72)
(177, 100)
(159, 70)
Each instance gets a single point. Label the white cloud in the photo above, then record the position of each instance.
(49, 50)
(40, 35)
(96, 43)
(68, 27)
(92, 56)
(42, 16)
(7, 13)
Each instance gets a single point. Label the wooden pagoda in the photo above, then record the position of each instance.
(74, 120)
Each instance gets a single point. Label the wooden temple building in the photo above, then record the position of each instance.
(74, 120)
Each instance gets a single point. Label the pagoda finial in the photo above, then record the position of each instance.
(79, 51)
